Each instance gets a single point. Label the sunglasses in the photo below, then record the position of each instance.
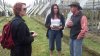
(24, 9)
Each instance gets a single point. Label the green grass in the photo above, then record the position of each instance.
(3, 20)
(92, 45)
(40, 45)
(3, 52)
(90, 41)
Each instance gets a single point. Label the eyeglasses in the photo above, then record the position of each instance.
(24, 9)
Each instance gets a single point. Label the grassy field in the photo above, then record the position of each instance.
(66, 42)
(3, 52)
(90, 42)
(40, 44)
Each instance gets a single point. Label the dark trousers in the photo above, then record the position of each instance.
(21, 51)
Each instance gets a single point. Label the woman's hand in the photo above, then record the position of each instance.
(60, 27)
(56, 27)
(34, 34)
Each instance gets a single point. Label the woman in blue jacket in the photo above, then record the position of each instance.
(55, 23)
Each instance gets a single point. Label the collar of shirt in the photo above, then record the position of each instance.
(19, 17)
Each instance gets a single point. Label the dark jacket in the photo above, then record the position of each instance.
(48, 23)
(21, 36)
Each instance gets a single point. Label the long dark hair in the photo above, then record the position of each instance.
(52, 11)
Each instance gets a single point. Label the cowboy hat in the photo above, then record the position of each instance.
(76, 4)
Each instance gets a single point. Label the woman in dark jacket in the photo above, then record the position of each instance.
(55, 23)
(20, 32)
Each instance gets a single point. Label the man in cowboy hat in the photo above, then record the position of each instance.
(78, 25)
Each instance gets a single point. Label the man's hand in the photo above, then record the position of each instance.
(69, 24)
(80, 36)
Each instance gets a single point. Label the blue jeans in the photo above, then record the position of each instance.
(54, 36)
(76, 47)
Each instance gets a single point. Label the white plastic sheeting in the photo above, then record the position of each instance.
(48, 12)
(1, 8)
(99, 26)
(42, 10)
(38, 9)
(58, 1)
(34, 10)
(30, 10)
(82, 2)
